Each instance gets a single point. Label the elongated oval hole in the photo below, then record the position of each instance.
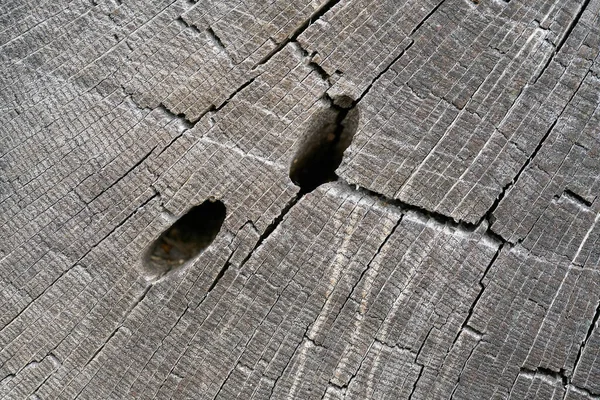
(186, 238)
(329, 134)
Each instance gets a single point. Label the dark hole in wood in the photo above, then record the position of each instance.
(186, 238)
(329, 134)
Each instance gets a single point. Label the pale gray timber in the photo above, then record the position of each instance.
(451, 249)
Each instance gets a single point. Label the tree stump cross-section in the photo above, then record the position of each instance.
(326, 199)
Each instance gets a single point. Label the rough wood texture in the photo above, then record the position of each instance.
(453, 254)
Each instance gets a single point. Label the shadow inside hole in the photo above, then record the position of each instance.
(329, 134)
(186, 238)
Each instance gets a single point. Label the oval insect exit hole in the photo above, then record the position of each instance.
(329, 134)
(186, 238)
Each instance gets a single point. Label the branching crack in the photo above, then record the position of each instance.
(185, 123)
(267, 232)
(305, 188)
(272, 226)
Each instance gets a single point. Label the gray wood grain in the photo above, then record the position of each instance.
(452, 255)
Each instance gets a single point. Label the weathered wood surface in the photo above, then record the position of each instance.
(455, 257)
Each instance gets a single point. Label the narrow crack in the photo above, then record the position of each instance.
(442, 219)
(56, 364)
(267, 232)
(572, 25)
(289, 361)
(172, 369)
(576, 198)
(364, 271)
(129, 310)
(137, 301)
(224, 381)
(315, 16)
(305, 188)
(305, 180)
(342, 113)
(420, 24)
(73, 265)
(456, 385)
(380, 74)
(414, 388)
(209, 31)
(465, 323)
(185, 122)
(103, 345)
(137, 164)
(187, 24)
(34, 364)
(272, 226)
(489, 214)
(593, 325)
(238, 360)
(85, 254)
(311, 63)
(156, 194)
(586, 392)
(422, 366)
(559, 376)
(216, 39)
(559, 45)
(349, 296)
(190, 123)
(220, 274)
